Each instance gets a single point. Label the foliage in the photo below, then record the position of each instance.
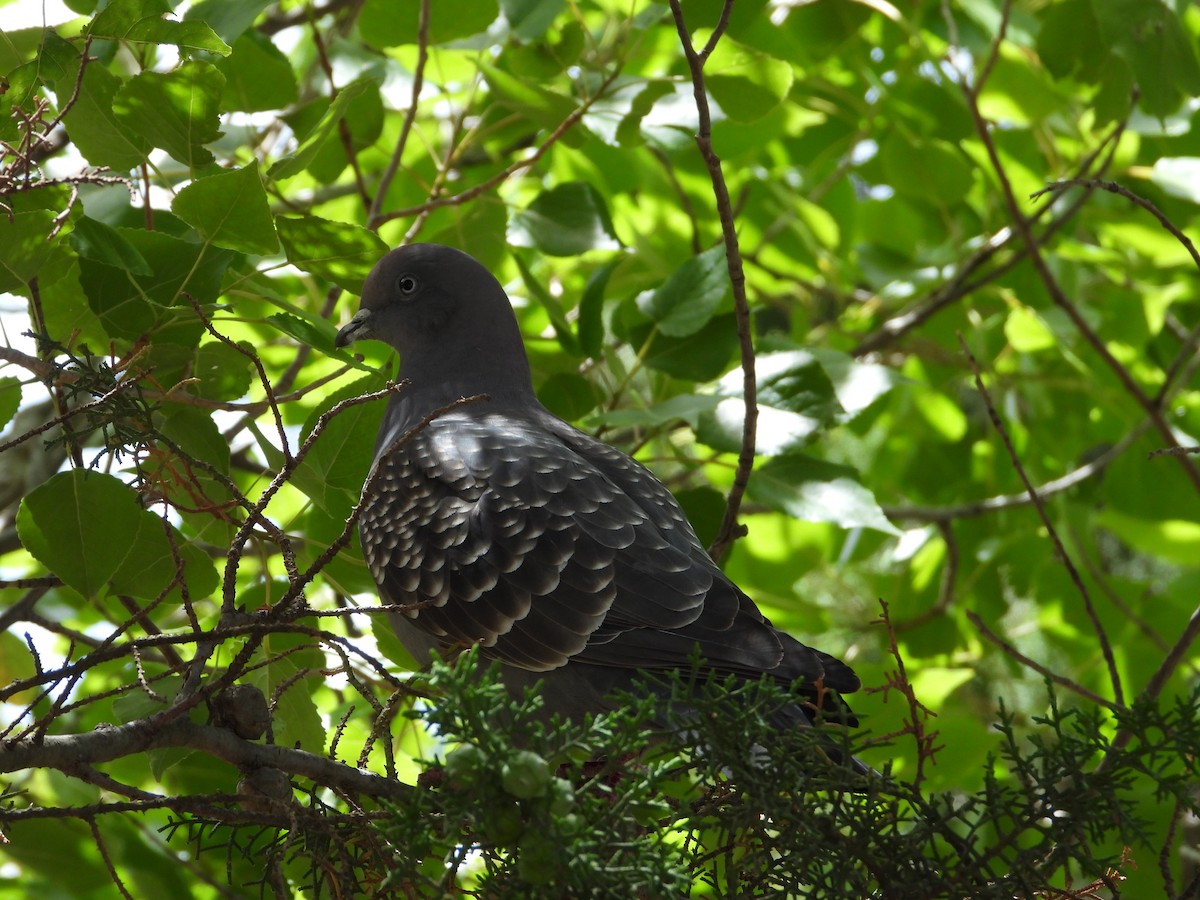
(189, 203)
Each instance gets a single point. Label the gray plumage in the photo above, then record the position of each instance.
(503, 526)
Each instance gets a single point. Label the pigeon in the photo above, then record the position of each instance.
(497, 524)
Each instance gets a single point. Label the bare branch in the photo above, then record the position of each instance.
(1097, 625)
(729, 530)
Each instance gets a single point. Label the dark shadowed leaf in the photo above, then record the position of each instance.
(565, 221)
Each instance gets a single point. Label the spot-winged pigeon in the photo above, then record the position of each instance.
(504, 526)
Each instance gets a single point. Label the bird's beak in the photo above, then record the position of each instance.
(356, 329)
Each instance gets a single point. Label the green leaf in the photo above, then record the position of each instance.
(336, 251)
(1153, 41)
(591, 309)
(689, 297)
(296, 162)
(538, 104)
(558, 319)
(228, 18)
(796, 400)
(104, 244)
(700, 356)
(856, 384)
(93, 124)
(10, 399)
(176, 111)
(565, 221)
(689, 407)
(529, 19)
(230, 210)
(385, 23)
(568, 395)
(258, 76)
(25, 248)
(817, 491)
(363, 122)
(1070, 41)
(149, 565)
(746, 83)
(222, 372)
(81, 526)
(132, 305)
(932, 170)
(1026, 331)
(143, 22)
(314, 332)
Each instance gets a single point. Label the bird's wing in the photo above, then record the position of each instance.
(542, 548)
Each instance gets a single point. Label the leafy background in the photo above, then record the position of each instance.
(188, 214)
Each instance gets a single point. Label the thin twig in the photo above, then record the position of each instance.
(729, 530)
(1054, 289)
(500, 177)
(1024, 660)
(1039, 505)
(385, 182)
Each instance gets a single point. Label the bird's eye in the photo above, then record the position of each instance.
(407, 284)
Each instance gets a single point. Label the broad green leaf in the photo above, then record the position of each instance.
(540, 105)
(25, 248)
(228, 18)
(1070, 40)
(363, 122)
(817, 491)
(689, 297)
(104, 244)
(258, 76)
(943, 414)
(1026, 331)
(688, 407)
(1153, 41)
(230, 210)
(932, 170)
(96, 131)
(384, 23)
(591, 309)
(1177, 540)
(81, 526)
(558, 319)
(143, 22)
(568, 395)
(336, 251)
(746, 82)
(796, 400)
(296, 162)
(223, 373)
(565, 221)
(856, 384)
(311, 332)
(529, 19)
(10, 399)
(176, 111)
(149, 565)
(700, 356)
(131, 305)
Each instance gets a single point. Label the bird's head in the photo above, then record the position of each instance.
(446, 314)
